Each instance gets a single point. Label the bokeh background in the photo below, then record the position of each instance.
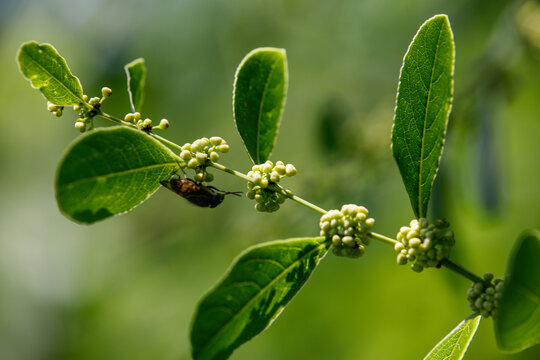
(126, 288)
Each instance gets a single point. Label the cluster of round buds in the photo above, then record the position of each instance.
(199, 154)
(263, 176)
(55, 109)
(347, 229)
(424, 244)
(146, 124)
(89, 109)
(484, 296)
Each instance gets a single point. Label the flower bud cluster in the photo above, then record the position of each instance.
(347, 229)
(484, 296)
(146, 124)
(55, 109)
(89, 109)
(201, 153)
(265, 175)
(424, 244)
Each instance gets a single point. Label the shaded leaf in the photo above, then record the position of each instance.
(422, 107)
(48, 72)
(109, 171)
(517, 325)
(259, 284)
(455, 344)
(136, 79)
(260, 88)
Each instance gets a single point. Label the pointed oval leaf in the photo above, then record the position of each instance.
(110, 171)
(136, 79)
(259, 284)
(260, 89)
(48, 72)
(517, 325)
(422, 107)
(455, 344)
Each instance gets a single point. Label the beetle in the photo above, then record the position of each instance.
(197, 193)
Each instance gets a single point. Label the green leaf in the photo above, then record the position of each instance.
(423, 104)
(110, 171)
(259, 284)
(48, 72)
(136, 79)
(455, 344)
(517, 325)
(260, 88)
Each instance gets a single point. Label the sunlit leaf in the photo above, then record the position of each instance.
(48, 72)
(455, 344)
(110, 171)
(260, 89)
(136, 78)
(259, 284)
(422, 107)
(517, 325)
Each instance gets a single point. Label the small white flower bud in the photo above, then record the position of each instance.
(267, 167)
(290, 170)
(185, 155)
(199, 177)
(415, 242)
(80, 126)
(274, 177)
(224, 148)
(280, 169)
(193, 163)
(214, 156)
(106, 92)
(348, 241)
(201, 157)
(216, 140)
(401, 259)
(370, 222)
(164, 124)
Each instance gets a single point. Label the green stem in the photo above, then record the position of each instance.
(382, 238)
(115, 119)
(445, 262)
(165, 141)
(305, 203)
(275, 188)
(461, 270)
(155, 136)
(231, 171)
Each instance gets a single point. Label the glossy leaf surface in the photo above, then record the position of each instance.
(455, 344)
(260, 89)
(422, 108)
(110, 171)
(136, 79)
(48, 72)
(517, 325)
(259, 284)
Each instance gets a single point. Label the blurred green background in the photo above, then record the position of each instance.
(126, 288)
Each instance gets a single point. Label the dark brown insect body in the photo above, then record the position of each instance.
(197, 193)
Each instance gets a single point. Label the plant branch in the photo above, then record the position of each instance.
(276, 188)
(382, 238)
(461, 270)
(375, 236)
(115, 119)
